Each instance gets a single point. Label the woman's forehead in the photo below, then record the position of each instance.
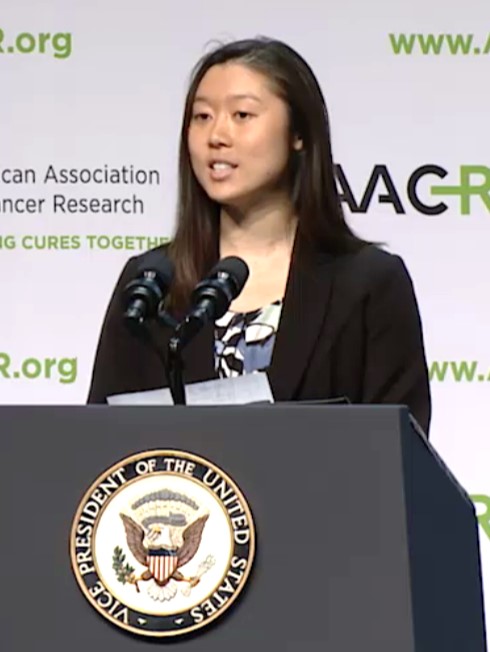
(233, 80)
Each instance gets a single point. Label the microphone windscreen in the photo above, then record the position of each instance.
(236, 268)
(157, 262)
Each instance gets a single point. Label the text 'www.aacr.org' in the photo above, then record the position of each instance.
(59, 45)
(61, 370)
(440, 44)
(459, 371)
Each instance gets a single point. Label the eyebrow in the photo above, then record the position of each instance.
(237, 96)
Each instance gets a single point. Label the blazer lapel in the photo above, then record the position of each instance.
(308, 293)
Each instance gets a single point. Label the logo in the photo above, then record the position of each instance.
(482, 508)
(162, 543)
(472, 190)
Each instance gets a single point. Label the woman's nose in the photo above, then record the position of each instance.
(219, 134)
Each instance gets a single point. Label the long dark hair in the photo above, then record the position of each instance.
(195, 246)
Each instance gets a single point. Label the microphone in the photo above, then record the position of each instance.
(143, 295)
(212, 297)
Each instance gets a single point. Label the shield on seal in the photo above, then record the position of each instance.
(162, 563)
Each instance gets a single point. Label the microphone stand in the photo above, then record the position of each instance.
(183, 333)
(175, 369)
(174, 366)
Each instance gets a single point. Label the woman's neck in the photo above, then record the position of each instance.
(258, 231)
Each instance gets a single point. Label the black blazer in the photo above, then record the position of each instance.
(349, 327)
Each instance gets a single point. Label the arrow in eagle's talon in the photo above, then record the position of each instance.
(193, 581)
(134, 580)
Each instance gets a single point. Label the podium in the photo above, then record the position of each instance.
(364, 539)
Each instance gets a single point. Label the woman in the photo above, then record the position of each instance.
(324, 312)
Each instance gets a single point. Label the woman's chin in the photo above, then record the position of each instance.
(244, 199)
(228, 197)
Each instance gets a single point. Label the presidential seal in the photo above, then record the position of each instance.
(162, 543)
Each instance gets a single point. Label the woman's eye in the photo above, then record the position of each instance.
(243, 115)
(201, 116)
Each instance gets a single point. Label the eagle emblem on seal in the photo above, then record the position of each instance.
(164, 533)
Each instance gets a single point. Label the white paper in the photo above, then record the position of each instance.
(249, 388)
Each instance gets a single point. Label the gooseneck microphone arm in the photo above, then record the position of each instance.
(186, 330)
(210, 300)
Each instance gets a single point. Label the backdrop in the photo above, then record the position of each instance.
(92, 96)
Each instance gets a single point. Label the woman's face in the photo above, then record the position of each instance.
(239, 136)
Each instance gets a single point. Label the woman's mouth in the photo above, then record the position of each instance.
(221, 170)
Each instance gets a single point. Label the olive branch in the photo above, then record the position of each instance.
(123, 570)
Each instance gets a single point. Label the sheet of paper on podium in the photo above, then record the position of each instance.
(249, 388)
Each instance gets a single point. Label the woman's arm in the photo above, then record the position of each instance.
(395, 366)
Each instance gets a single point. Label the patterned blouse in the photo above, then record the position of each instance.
(244, 340)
